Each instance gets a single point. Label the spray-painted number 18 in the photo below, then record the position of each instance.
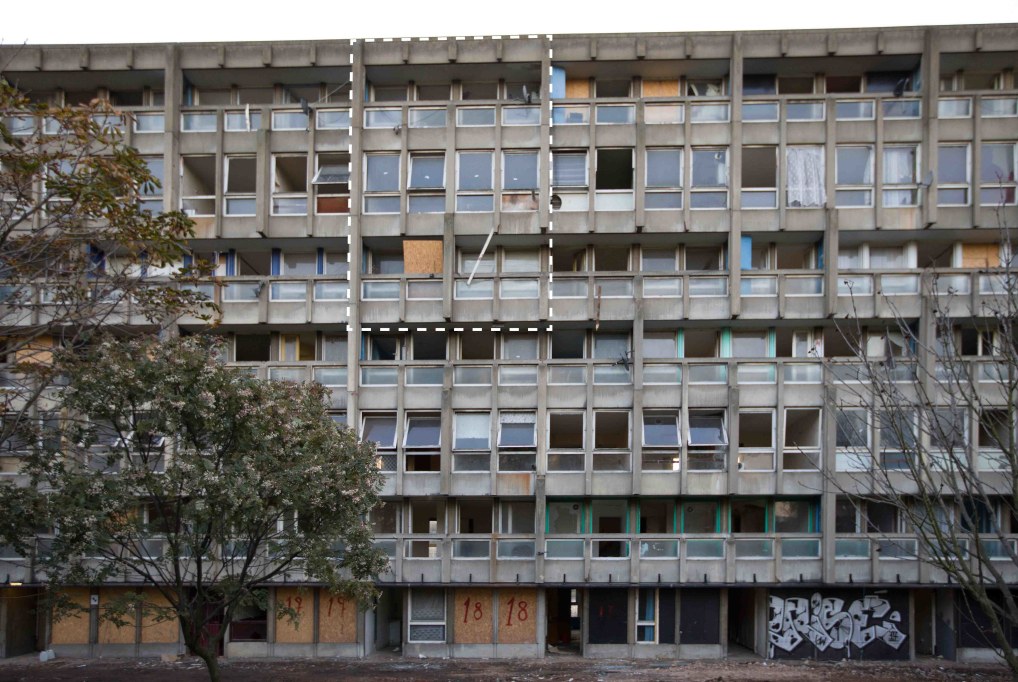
(521, 611)
(478, 612)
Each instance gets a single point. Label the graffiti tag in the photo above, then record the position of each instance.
(826, 624)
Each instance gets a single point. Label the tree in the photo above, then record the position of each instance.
(174, 471)
(938, 388)
(84, 244)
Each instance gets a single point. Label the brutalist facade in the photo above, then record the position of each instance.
(579, 290)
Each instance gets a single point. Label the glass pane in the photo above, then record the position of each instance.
(427, 118)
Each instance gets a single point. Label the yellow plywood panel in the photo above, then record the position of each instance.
(667, 88)
(472, 616)
(422, 256)
(153, 630)
(577, 88)
(517, 616)
(301, 601)
(980, 255)
(337, 619)
(109, 633)
(73, 628)
(37, 351)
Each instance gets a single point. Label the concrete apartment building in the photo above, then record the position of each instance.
(579, 290)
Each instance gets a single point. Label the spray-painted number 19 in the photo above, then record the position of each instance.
(521, 611)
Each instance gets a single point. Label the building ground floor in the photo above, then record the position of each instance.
(516, 621)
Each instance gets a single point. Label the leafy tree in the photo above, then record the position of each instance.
(938, 389)
(84, 243)
(177, 472)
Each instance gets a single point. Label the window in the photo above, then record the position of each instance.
(519, 260)
(646, 615)
(519, 181)
(664, 179)
(289, 120)
(472, 431)
(853, 176)
(381, 430)
(243, 121)
(953, 173)
(710, 179)
(240, 180)
(198, 185)
(660, 345)
(516, 517)
(756, 440)
(613, 179)
(517, 430)
(381, 184)
(753, 344)
(427, 615)
(701, 517)
(474, 182)
(997, 174)
(900, 170)
(564, 518)
(759, 177)
(611, 346)
(475, 116)
(660, 430)
(475, 516)
(427, 172)
(332, 119)
(569, 169)
(801, 450)
(805, 177)
(332, 184)
(519, 346)
(795, 516)
(611, 430)
(151, 194)
(708, 440)
(897, 438)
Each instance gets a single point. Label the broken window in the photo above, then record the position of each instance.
(519, 181)
(381, 183)
(882, 517)
(614, 177)
(846, 516)
(900, 176)
(705, 87)
(565, 431)
(795, 85)
(700, 343)
(710, 179)
(474, 182)
(802, 439)
(240, 185)
(475, 516)
(565, 518)
(759, 177)
(749, 516)
(704, 258)
(384, 518)
(611, 429)
(332, 183)
(756, 440)
(994, 427)
(897, 438)
(953, 175)
(198, 185)
(794, 516)
(290, 184)
(664, 179)
(758, 84)
(853, 176)
(251, 347)
(477, 346)
(997, 174)
(386, 347)
(657, 516)
(428, 345)
(568, 344)
(611, 258)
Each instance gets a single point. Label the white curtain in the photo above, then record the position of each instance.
(899, 165)
(806, 176)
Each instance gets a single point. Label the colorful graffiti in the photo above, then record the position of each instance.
(830, 627)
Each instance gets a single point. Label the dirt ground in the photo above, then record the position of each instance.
(551, 669)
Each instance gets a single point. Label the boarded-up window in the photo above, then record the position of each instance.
(980, 255)
(665, 88)
(577, 88)
(422, 256)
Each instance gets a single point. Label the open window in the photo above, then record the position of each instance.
(759, 177)
(566, 441)
(662, 449)
(801, 451)
(614, 180)
(332, 183)
(477, 345)
(241, 185)
(756, 440)
(611, 440)
(198, 185)
(707, 440)
(421, 443)
(657, 516)
(381, 429)
(289, 184)
(428, 345)
(749, 516)
(475, 516)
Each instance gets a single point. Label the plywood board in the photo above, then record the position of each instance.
(38, 351)
(301, 601)
(667, 88)
(337, 619)
(73, 628)
(517, 616)
(110, 633)
(980, 255)
(577, 88)
(472, 616)
(154, 631)
(422, 256)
